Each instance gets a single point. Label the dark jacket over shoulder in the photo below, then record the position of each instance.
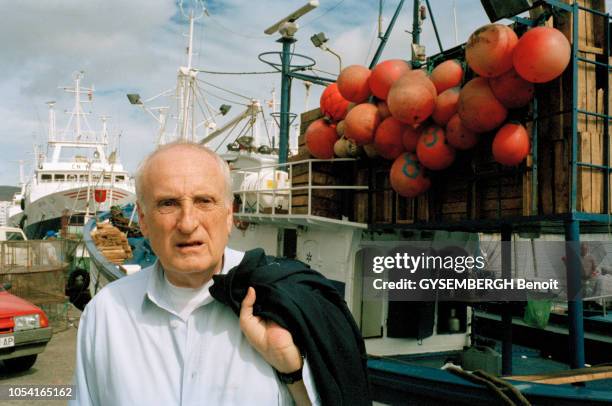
(304, 302)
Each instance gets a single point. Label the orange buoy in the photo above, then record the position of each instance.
(447, 74)
(458, 136)
(433, 150)
(542, 54)
(479, 109)
(511, 144)
(383, 109)
(353, 83)
(410, 137)
(512, 90)
(388, 138)
(320, 139)
(408, 176)
(385, 74)
(412, 98)
(489, 50)
(332, 104)
(361, 122)
(446, 106)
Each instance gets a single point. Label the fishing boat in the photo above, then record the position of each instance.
(76, 176)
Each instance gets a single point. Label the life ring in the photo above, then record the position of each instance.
(239, 224)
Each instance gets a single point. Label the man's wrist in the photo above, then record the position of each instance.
(290, 378)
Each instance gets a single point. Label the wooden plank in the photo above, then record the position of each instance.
(565, 377)
(584, 202)
(561, 177)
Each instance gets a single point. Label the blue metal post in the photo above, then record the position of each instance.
(574, 166)
(385, 38)
(574, 293)
(283, 148)
(506, 314)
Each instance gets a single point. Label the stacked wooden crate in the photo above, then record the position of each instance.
(555, 132)
(112, 243)
(329, 203)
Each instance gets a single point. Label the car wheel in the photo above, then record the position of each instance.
(20, 364)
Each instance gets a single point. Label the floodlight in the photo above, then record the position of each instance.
(134, 98)
(224, 109)
(291, 18)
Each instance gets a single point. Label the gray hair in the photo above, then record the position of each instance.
(223, 166)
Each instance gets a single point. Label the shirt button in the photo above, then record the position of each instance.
(174, 324)
(193, 375)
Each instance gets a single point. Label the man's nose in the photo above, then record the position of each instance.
(188, 218)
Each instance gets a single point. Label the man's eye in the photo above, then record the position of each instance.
(167, 203)
(204, 203)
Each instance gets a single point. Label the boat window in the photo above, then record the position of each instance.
(46, 177)
(60, 177)
(95, 178)
(119, 178)
(71, 178)
(14, 236)
(107, 178)
(83, 178)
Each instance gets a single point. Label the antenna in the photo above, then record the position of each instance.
(193, 15)
(287, 26)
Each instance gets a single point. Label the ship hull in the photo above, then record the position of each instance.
(45, 214)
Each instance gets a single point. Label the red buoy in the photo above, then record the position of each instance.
(511, 144)
(479, 109)
(489, 50)
(385, 74)
(332, 104)
(458, 136)
(447, 74)
(320, 139)
(388, 138)
(512, 90)
(542, 54)
(361, 122)
(446, 106)
(410, 137)
(433, 150)
(408, 176)
(412, 98)
(353, 83)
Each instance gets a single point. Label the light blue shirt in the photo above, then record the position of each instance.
(134, 349)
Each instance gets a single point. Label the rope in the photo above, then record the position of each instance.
(324, 13)
(495, 385)
(225, 90)
(236, 73)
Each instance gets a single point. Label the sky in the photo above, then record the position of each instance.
(136, 46)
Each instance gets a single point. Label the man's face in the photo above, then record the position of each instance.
(185, 215)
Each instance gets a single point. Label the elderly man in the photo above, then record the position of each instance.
(158, 337)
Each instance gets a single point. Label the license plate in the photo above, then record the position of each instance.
(7, 341)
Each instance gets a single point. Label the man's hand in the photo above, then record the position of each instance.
(274, 343)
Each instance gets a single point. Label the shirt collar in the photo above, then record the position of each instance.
(155, 285)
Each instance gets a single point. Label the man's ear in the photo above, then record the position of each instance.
(230, 219)
(142, 220)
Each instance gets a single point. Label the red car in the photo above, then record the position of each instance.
(24, 331)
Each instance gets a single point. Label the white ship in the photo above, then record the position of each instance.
(77, 176)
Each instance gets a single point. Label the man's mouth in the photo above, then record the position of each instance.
(189, 244)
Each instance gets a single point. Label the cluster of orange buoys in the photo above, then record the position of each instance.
(420, 120)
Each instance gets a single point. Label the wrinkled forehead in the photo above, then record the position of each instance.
(182, 169)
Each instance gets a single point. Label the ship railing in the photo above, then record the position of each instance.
(602, 300)
(282, 197)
